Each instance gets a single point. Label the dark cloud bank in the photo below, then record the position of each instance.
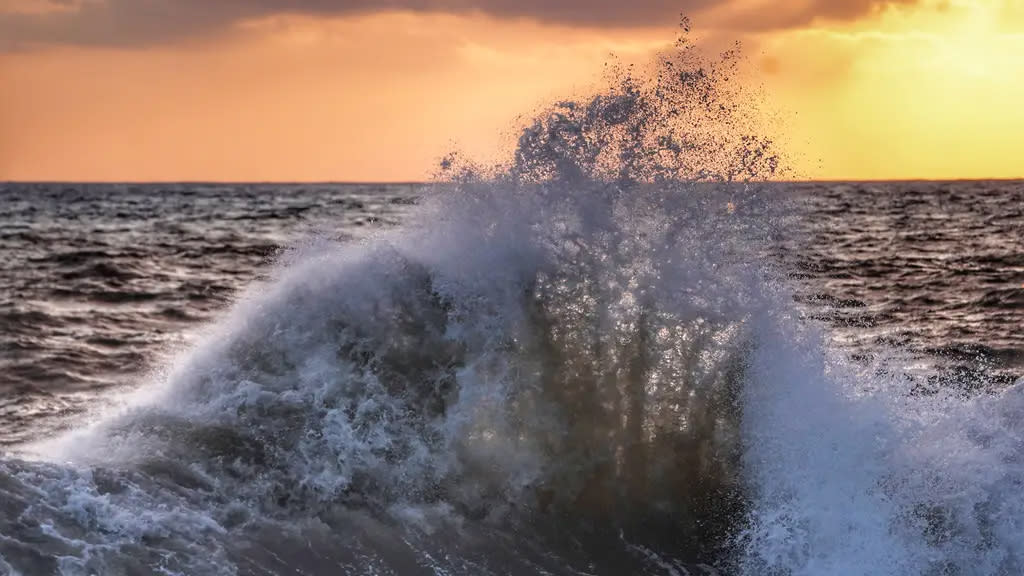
(144, 22)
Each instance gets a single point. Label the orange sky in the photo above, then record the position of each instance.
(322, 90)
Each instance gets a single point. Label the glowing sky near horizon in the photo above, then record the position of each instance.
(342, 90)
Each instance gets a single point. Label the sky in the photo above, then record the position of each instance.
(379, 90)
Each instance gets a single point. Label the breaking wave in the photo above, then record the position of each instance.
(576, 362)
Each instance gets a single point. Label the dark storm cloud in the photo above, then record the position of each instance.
(143, 22)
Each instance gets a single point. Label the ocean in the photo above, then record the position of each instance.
(256, 379)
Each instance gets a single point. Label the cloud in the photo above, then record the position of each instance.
(145, 22)
(764, 15)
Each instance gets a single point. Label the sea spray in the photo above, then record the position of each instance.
(549, 349)
(575, 361)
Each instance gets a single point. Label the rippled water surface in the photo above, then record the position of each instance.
(527, 384)
(933, 268)
(100, 281)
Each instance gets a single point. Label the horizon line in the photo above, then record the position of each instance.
(425, 182)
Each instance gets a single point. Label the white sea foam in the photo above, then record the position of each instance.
(576, 361)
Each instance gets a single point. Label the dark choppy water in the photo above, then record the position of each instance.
(100, 281)
(936, 269)
(272, 439)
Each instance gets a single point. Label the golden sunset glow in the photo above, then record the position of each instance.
(927, 89)
(932, 91)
